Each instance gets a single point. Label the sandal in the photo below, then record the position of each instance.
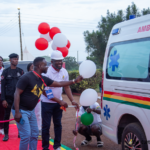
(85, 142)
(100, 144)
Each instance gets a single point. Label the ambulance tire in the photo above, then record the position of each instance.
(137, 132)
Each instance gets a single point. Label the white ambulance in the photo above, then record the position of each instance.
(126, 85)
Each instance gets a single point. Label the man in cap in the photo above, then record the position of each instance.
(51, 108)
(9, 79)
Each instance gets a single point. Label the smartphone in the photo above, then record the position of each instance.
(21, 121)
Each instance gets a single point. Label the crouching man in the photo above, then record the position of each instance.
(94, 129)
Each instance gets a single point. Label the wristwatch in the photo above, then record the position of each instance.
(73, 81)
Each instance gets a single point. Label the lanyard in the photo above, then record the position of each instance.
(40, 77)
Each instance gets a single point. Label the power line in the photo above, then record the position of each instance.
(3, 30)
(9, 22)
(7, 30)
(61, 24)
(5, 27)
(77, 27)
(23, 36)
(35, 16)
(52, 21)
(54, 18)
(7, 13)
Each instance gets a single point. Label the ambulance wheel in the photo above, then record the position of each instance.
(133, 138)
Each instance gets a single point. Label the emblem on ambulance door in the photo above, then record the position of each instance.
(106, 112)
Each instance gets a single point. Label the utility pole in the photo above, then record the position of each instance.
(20, 33)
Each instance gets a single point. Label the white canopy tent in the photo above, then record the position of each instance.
(27, 55)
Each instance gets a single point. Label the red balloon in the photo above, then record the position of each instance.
(68, 44)
(64, 51)
(41, 44)
(44, 28)
(54, 31)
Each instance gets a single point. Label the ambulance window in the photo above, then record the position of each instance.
(129, 60)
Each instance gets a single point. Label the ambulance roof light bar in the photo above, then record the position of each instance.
(115, 31)
(132, 16)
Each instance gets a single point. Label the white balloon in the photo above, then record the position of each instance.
(46, 36)
(88, 97)
(87, 69)
(60, 40)
(54, 47)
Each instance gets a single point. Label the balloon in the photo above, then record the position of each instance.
(88, 97)
(46, 36)
(41, 44)
(60, 40)
(68, 44)
(87, 118)
(64, 51)
(54, 47)
(44, 28)
(87, 69)
(54, 31)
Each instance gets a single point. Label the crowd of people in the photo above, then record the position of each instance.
(26, 95)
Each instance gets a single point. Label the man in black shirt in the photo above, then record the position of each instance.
(29, 89)
(9, 79)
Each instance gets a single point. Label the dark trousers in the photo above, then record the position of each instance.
(6, 117)
(51, 110)
(2, 111)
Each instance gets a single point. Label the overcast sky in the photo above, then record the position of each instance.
(73, 17)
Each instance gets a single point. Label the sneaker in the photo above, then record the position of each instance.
(58, 148)
(85, 142)
(6, 137)
(100, 144)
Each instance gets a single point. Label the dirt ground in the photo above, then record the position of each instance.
(68, 124)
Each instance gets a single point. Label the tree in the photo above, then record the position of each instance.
(145, 11)
(5, 59)
(132, 10)
(96, 41)
(95, 46)
(71, 63)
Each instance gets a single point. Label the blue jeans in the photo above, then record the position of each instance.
(28, 131)
(51, 110)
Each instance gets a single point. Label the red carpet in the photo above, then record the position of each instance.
(13, 142)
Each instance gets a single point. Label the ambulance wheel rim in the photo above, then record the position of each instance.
(132, 142)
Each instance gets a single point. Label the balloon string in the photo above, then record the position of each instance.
(77, 125)
(6, 120)
(11, 119)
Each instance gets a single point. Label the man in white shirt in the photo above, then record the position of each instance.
(51, 108)
(94, 129)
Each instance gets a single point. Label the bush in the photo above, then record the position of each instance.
(86, 83)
